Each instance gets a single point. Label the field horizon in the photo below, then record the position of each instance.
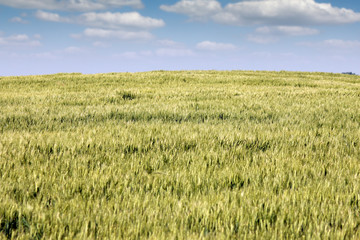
(184, 70)
(180, 155)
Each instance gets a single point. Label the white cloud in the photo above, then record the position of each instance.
(135, 55)
(289, 12)
(116, 20)
(215, 46)
(59, 53)
(170, 43)
(170, 48)
(116, 34)
(287, 30)
(269, 12)
(52, 17)
(99, 44)
(18, 20)
(261, 39)
(105, 20)
(195, 9)
(174, 52)
(264, 35)
(337, 44)
(71, 5)
(18, 40)
(109, 25)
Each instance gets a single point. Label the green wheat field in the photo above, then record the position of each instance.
(180, 155)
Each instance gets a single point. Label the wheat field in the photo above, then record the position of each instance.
(180, 155)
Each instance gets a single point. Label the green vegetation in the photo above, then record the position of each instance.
(180, 155)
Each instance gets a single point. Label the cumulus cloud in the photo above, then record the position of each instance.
(18, 40)
(270, 34)
(52, 17)
(170, 43)
(99, 44)
(286, 30)
(116, 34)
(107, 25)
(215, 46)
(135, 55)
(116, 20)
(71, 5)
(342, 43)
(261, 39)
(269, 12)
(170, 48)
(334, 44)
(195, 9)
(18, 20)
(105, 20)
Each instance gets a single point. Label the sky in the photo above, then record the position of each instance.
(100, 36)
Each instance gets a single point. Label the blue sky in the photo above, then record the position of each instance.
(96, 36)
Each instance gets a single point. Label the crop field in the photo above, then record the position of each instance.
(180, 155)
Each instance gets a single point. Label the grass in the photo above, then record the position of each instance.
(180, 155)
